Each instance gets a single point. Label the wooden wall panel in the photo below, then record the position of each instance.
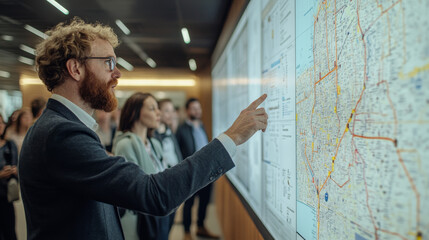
(235, 221)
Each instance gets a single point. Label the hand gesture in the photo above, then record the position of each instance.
(250, 120)
(6, 171)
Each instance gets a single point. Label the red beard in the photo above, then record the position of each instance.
(97, 93)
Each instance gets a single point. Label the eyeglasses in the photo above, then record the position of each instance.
(111, 61)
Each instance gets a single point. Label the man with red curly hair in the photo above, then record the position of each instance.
(70, 185)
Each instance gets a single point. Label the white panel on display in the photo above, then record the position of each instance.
(236, 79)
(278, 81)
(345, 152)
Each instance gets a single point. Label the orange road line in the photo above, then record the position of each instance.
(339, 143)
(341, 186)
(360, 99)
(395, 117)
(379, 5)
(393, 233)
(413, 186)
(335, 68)
(379, 138)
(382, 13)
(305, 98)
(311, 169)
(326, 180)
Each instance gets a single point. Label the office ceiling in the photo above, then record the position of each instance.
(155, 30)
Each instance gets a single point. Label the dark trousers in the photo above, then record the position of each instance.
(204, 195)
(7, 220)
(153, 227)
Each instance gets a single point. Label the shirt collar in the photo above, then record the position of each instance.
(83, 116)
(190, 123)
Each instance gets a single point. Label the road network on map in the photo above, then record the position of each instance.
(362, 117)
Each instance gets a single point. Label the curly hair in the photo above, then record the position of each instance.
(68, 41)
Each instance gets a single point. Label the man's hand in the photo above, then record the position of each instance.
(248, 122)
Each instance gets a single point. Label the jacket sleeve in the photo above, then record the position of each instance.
(124, 148)
(79, 163)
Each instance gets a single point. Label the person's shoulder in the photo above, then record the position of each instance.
(183, 127)
(156, 142)
(54, 120)
(124, 140)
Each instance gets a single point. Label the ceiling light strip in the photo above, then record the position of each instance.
(125, 64)
(26, 60)
(35, 31)
(58, 6)
(28, 49)
(122, 26)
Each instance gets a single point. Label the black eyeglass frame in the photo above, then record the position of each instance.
(112, 61)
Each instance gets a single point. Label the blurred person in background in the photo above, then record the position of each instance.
(11, 123)
(106, 130)
(170, 147)
(165, 135)
(175, 120)
(17, 132)
(191, 137)
(8, 170)
(37, 107)
(140, 116)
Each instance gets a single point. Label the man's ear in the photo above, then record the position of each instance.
(75, 69)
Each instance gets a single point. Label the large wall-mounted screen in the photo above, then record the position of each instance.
(345, 152)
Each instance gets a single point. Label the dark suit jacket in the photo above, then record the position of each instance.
(70, 186)
(186, 139)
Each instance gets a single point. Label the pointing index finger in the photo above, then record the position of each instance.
(257, 102)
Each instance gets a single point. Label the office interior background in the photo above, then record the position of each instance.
(345, 152)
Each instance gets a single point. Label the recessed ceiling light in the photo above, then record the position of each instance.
(192, 64)
(4, 74)
(151, 62)
(7, 37)
(185, 35)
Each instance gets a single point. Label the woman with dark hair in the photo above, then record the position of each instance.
(17, 131)
(8, 170)
(139, 117)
